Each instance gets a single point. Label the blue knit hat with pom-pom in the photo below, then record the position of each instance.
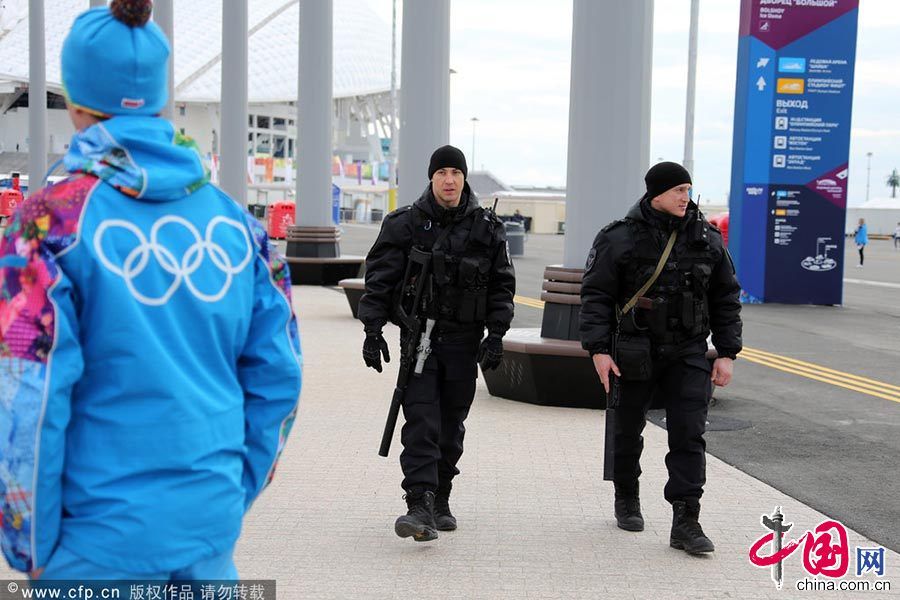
(115, 61)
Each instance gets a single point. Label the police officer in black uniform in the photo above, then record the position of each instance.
(473, 288)
(661, 346)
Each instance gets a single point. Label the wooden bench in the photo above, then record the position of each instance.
(550, 372)
(545, 371)
(311, 270)
(561, 293)
(314, 256)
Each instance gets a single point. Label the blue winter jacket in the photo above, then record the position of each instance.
(862, 235)
(150, 362)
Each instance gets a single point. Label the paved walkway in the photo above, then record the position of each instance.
(535, 517)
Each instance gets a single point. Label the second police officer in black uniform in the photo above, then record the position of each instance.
(661, 345)
(473, 289)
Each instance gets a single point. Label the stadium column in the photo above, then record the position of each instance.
(37, 95)
(313, 244)
(424, 92)
(233, 153)
(314, 115)
(609, 116)
(609, 131)
(609, 137)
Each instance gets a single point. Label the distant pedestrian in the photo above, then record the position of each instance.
(897, 237)
(862, 238)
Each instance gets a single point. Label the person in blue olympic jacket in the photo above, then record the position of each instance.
(150, 363)
(861, 237)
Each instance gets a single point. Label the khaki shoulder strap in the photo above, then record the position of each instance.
(659, 268)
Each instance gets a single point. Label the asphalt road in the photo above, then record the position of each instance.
(816, 395)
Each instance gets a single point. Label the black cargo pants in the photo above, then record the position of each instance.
(682, 386)
(435, 406)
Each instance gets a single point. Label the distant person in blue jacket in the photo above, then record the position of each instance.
(862, 238)
(150, 362)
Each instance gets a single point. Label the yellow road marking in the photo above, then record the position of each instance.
(767, 363)
(864, 381)
(532, 302)
(856, 383)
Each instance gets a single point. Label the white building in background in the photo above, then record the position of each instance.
(882, 216)
(362, 63)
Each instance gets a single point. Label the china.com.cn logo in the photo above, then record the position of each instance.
(826, 551)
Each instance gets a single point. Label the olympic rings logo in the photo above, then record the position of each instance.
(138, 259)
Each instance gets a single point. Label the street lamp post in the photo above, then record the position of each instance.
(868, 172)
(450, 93)
(474, 121)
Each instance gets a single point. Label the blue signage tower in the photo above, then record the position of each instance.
(788, 196)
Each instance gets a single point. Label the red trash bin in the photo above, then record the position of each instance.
(9, 200)
(280, 217)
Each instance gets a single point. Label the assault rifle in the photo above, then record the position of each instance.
(417, 345)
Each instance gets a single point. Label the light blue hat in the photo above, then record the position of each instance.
(115, 61)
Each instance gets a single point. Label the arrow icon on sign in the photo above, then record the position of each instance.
(762, 62)
(760, 83)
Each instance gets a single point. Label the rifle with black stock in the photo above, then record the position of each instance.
(612, 401)
(417, 346)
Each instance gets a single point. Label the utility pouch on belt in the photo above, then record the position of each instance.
(472, 307)
(633, 357)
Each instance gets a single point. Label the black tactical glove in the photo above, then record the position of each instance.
(490, 353)
(373, 348)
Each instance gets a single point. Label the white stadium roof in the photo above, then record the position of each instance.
(881, 203)
(362, 47)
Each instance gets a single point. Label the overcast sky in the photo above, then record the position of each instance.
(512, 60)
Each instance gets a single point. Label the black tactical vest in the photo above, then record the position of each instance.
(461, 265)
(680, 311)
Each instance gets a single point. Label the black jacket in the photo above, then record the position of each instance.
(698, 282)
(476, 236)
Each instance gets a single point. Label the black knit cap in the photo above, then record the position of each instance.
(663, 176)
(447, 157)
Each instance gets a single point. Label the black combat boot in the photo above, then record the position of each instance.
(628, 507)
(418, 522)
(443, 518)
(686, 533)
